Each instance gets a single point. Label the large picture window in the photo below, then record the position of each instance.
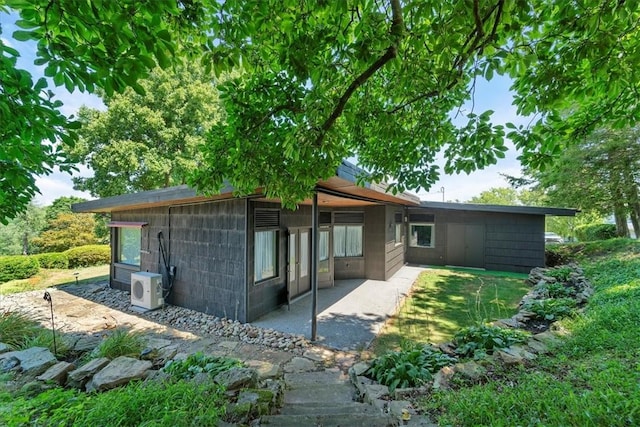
(266, 255)
(422, 235)
(129, 245)
(347, 240)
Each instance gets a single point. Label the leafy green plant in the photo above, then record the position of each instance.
(552, 308)
(476, 341)
(198, 363)
(561, 273)
(15, 328)
(120, 343)
(412, 366)
(18, 267)
(591, 232)
(86, 256)
(556, 290)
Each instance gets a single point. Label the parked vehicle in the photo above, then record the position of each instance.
(550, 237)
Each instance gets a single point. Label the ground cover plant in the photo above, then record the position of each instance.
(477, 341)
(443, 301)
(178, 403)
(199, 363)
(591, 380)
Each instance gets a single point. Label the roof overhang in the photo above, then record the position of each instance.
(340, 190)
(526, 210)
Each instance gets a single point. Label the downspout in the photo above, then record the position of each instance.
(314, 266)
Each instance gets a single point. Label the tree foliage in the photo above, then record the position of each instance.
(81, 45)
(497, 196)
(67, 231)
(16, 235)
(381, 80)
(151, 140)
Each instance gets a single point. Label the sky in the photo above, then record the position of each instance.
(492, 95)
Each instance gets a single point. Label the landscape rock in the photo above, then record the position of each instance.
(33, 361)
(237, 378)
(57, 373)
(9, 364)
(442, 378)
(87, 343)
(470, 370)
(79, 377)
(264, 369)
(299, 364)
(4, 348)
(119, 371)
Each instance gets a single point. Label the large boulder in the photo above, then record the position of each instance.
(57, 373)
(237, 378)
(120, 371)
(33, 361)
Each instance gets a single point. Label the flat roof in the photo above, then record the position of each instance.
(527, 210)
(340, 190)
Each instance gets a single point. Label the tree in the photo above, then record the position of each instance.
(497, 196)
(61, 205)
(82, 45)
(150, 140)
(16, 236)
(381, 80)
(67, 231)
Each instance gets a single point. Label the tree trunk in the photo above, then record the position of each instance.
(635, 219)
(619, 212)
(25, 243)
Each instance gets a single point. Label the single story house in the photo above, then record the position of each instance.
(242, 257)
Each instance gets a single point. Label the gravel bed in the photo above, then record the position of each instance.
(177, 317)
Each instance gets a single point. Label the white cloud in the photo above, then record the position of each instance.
(6, 42)
(58, 184)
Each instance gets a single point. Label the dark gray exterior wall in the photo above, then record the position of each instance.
(394, 251)
(512, 242)
(207, 244)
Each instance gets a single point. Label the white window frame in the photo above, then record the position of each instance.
(398, 233)
(414, 243)
(134, 251)
(336, 253)
(275, 245)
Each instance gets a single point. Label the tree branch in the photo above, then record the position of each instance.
(396, 30)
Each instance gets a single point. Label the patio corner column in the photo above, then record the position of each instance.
(314, 267)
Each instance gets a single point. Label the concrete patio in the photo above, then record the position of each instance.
(350, 314)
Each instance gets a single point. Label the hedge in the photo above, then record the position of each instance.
(18, 267)
(53, 260)
(89, 255)
(591, 232)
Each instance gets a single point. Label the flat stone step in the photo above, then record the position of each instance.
(325, 394)
(311, 379)
(339, 420)
(345, 408)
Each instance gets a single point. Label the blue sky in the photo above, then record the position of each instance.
(492, 95)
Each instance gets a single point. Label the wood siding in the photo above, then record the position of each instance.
(512, 242)
(206, 242)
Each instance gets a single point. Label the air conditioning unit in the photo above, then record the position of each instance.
(146, 290)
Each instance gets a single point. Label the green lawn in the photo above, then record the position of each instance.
(54, 277)
(592, 380)
(445, 300)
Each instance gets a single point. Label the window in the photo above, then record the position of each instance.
(323, 251)
(398, 233)
(129, 245)
(267, 223)
(266, 250)
(347, 240)
(422, 235)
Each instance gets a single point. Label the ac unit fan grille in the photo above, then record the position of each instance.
(138, 290)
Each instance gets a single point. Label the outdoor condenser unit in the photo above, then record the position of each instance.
(146, 290)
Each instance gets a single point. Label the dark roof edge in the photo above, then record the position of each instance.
(529, 210)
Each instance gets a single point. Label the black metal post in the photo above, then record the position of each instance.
(314, 267)
(47, 297)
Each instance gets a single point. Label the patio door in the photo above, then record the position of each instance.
(299, 262)
(325, 258)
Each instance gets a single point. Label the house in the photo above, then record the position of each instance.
(242, 257)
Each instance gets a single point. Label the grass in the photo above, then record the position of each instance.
(592, 380)
(444, 300)
(121, 342)
(47, 278)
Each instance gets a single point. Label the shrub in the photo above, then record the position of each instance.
(552, 308)
(476, 341)
(562, 274)
(44, 338)
(18, 267)
(120, 343)
(591, 232)
(412, 366)
(555, 255)
(15, 328)
(198, 363)
(556, 290)
(87, 256)
(53, 260)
